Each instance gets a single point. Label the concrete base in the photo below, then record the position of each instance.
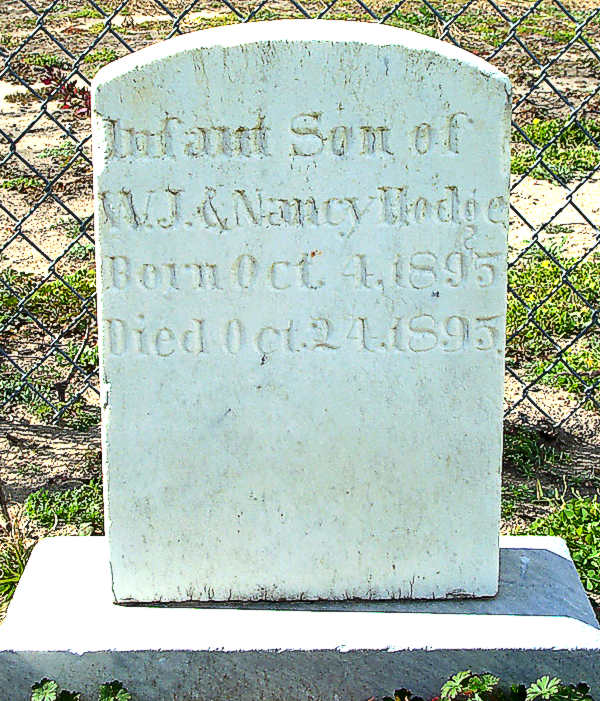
(62, 624)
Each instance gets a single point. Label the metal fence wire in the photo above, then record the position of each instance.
(51, 50)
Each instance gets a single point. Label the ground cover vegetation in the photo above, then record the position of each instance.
(49, 690)
(48, 338)
(463, 686)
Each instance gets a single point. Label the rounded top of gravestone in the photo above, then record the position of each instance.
(296, 31)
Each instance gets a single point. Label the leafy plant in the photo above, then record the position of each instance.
(73, 97)
(14, 553)
(49, 690)
(514, 494)
(466, 685)
(534, 277)
(571, 154)
(578, 522)
(55, 302)
(62, 153)
(524, 450)
(22, 184)
(583, 358)
(79, 505)
(102, 56)
(114, 691)
(544, 688)
(44, 60)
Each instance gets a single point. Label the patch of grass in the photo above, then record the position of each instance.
(61, 153)
(421, 21)
(525, 451)
(79, 416)
(578, 522)
(533, 277)
(214, 21)
(489, 27)
(81, 251)
(45, 60)
(21, 98)
(87, 360)
(101, 57)
(571, 155)
(49, 690)
(583, 359)
(85, 13)
(14, 553)
(22, 184)
(79, 506)
(54, 303)
(513, 495)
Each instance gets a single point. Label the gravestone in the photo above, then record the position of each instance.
(301, 232)
(302, 244)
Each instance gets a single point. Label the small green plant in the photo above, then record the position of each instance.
(571, 154)
(101, 56)
(14, 553)
(584, 359)
(514, 494)
(49, 690)
(534, 277)
(81, 506)
(55, 303)
(86, 13)
(524, 450)
(63, 153)
(22, 184)
(422, 21)
(114, 691)
(578, 522)
(44, 60)
(466, 685)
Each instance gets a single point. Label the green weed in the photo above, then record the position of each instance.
(101, 57)
(79, 506)
(513, 495)
(578, 522)
(526, 452)
(79, 416)
(14, 553)
(465, 684)
(45, 60)
(583, 359)
(81, 251)
(20, 97)
(22, 184)
(491, 28)
(62, 153)
(571, 155)
(85, 13)
(533, 277)
(48, 690)
(54, 303)
(422, 21)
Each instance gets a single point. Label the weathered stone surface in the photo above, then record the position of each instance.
(62, 624)
(302, 238)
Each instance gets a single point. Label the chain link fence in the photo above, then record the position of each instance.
(50, 51)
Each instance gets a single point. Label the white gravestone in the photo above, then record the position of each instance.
(302, 240)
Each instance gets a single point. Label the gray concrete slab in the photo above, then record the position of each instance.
(63, 624)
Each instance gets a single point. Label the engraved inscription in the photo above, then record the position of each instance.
(174, 139)
(222, 210)
(416, 333)
(311, 134)
(420, 271)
